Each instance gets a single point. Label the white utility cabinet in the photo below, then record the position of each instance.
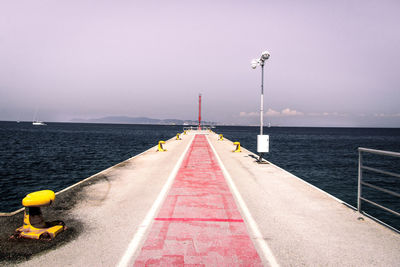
(262, 143)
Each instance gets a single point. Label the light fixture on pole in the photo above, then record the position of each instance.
(262, 140)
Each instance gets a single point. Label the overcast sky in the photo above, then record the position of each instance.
(333, 63)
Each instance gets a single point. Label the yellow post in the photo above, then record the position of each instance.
(160, 146)
(184, 132)
(237, 144)
(178, 137)
(221, 137)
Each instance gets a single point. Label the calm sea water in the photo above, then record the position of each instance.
(60, 154)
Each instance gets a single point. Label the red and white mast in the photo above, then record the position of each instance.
(199, 112)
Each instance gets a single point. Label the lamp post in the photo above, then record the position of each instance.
(262, 140)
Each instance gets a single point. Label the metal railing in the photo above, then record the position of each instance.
(361, 183)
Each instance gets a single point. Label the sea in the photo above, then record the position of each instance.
(58, 155)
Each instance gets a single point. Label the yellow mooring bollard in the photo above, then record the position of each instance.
(237, 144)
(160, 146)
(34, 226)
(184, 132)
(221, 137)
(178, 136)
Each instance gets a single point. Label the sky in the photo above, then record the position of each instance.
(333, 63)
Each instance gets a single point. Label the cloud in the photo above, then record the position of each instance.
(287, 112)
(386, 115)
(248, 114)
(327, 114)
(290, 112)
(273, 113)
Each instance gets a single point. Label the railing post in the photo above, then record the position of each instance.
(359, 181)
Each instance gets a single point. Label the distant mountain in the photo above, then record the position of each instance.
(139, 120)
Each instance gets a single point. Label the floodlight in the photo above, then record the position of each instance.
(265, 55)
(254, 63)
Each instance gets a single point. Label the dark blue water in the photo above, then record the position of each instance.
(60, 154)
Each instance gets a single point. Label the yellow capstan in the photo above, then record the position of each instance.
(160, 146)
(237, 149)
(34, 226)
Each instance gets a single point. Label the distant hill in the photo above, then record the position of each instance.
(139, 120)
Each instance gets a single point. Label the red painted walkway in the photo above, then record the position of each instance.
(199, 223)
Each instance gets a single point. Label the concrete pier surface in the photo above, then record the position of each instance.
(134, 214)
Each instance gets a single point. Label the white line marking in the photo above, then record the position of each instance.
(268, 255)
(143, 227)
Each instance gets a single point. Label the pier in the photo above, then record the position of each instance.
(200, 204)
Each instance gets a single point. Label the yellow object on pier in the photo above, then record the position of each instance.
(34, 226)
(178, 136)
(221, 137)
(237, 144)
(160, 146)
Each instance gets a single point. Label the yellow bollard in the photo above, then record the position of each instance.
(160, 146)
(237, 144)
(178, 137)
(34, 226)
(184, 132)
(221, 137)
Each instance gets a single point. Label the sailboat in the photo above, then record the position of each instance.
(37, 122)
